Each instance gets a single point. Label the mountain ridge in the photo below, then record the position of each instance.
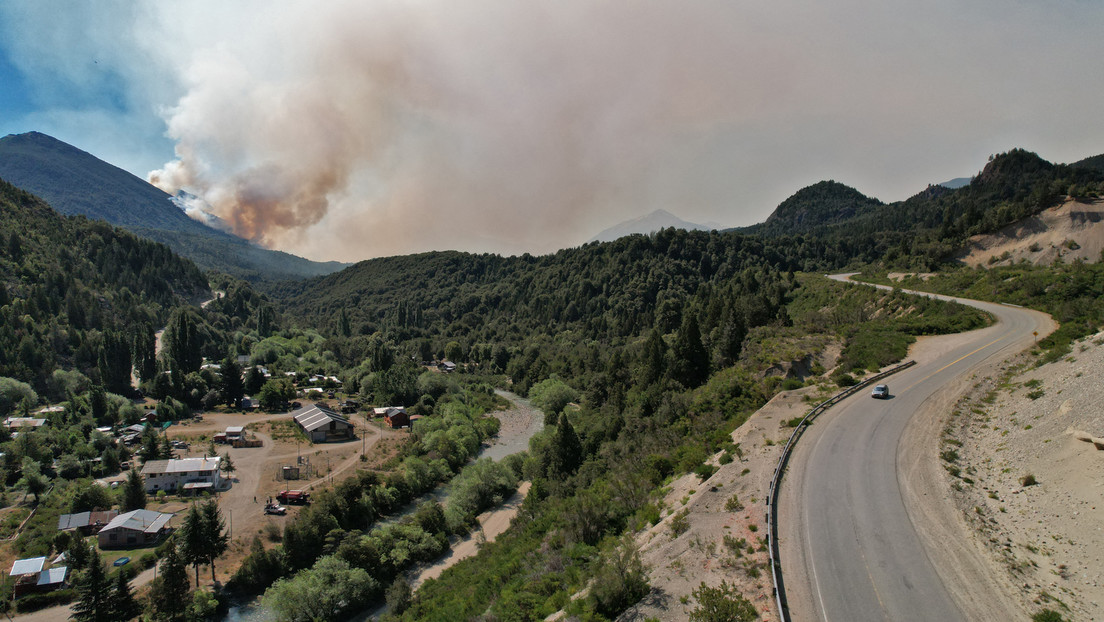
(74, 182)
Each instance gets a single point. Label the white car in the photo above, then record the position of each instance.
(880, 392)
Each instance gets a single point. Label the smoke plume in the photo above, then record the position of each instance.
(345, 130)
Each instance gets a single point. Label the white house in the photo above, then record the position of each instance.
(183, 474)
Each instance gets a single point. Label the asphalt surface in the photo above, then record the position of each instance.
(850, 550)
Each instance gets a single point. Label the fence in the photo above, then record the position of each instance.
(776, 481)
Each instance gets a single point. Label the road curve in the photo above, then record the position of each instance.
(850, 548)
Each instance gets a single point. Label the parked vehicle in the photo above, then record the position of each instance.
(275, 508)
(880, 392)
(293, 497)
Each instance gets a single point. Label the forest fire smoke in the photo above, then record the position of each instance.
(421, 126)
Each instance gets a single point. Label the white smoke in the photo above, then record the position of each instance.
(356, 128)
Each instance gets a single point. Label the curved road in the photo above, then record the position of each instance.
(850, 548)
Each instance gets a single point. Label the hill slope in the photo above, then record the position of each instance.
(76, 182)
(69, 287)
(823, 203)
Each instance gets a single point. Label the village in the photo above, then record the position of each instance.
(259, 467)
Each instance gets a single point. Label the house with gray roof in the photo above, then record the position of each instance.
(183, 474)
(134, 529)
(87, 523)
(322, 424)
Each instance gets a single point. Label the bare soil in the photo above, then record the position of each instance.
(1067, 232)
(1045, 539)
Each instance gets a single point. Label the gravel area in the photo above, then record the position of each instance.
(1038, 422)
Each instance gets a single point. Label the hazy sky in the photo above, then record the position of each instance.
(352, 129)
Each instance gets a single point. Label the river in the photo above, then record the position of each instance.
(518, 424)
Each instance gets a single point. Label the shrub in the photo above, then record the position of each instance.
(620, 581)
(680, 523)
(1028, 480)
(1047, 615)
(733, 504)
(34, 602)
(705, 471)
(844, 380)
(723, 603)
(789, 384)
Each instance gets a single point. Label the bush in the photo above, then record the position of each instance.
(680, 523)
(34, 602)
(1047, 615)
(1028, 480)
(790, 384)
(844, 380)
(705, 471)
(620, 581)
(723, 603)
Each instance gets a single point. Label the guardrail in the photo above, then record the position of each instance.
(776, 481)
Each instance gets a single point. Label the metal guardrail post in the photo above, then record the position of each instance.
(776, 482)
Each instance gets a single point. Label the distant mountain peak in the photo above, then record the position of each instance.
(659, 219)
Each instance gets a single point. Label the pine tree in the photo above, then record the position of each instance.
(94, 594)
(134, 492)
(123, 604)
(115, 363)
(654, 363)
(169, 591)
(254, 380)
(143, 349)
(226, 466)
(567, 451)
(214, 534)
(233, 389)
(689, 358)
(193, 540)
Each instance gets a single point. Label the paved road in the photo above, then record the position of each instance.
(850, 550)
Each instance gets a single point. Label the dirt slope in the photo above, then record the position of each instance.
(1072, 230)
(1047, 538)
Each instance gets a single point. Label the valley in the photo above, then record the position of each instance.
(604, 419)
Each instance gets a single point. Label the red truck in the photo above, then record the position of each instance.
(293, 497)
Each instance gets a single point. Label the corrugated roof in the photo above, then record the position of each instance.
(32, 565)
(84, 519)
(146, 521)
(53, 576)
(317, 417)
(182, 465)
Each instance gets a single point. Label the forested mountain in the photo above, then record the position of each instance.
(80, 294)
(823, 203)
(925, 229)
(75, 182)
(498, 308)
(1095, 163)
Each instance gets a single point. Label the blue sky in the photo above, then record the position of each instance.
(350, 129)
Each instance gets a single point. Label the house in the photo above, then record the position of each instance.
(397, 418)
(133, 529)
(249, 403)
(386, 411)
(15, 423)
(322, 424)
(235, 431)
(87, 523)
(30, 577)
(183, 474)
(446, 366)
